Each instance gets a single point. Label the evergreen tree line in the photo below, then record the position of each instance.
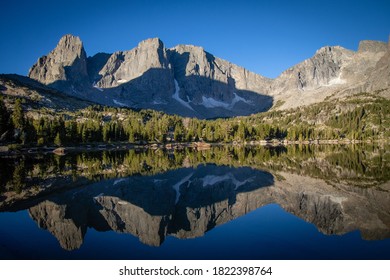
(103, 124)
(106, 124)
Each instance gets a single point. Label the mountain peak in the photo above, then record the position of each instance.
(70, 46)
(67, 62)
(331, 49)
(69, 39)
(372, 46)
(152, 41)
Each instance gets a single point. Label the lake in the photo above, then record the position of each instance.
(293, 202)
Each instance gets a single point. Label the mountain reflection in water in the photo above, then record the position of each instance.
(184, 203)
(184, 194)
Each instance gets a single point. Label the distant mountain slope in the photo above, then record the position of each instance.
(334, 70)
(189, 81)
(37, 95)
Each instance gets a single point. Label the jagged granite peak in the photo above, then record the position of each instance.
(124, 66)
(192, 60)
(322, 69)
(198, 61)
(372, 46)
(67, 62)
(333, 70)
(200, 76)
(379, 77)
(312, 80)
(206, 81)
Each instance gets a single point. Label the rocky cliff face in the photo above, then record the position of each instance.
(189, 81)
(372, 46)
(323, 69)
(123, 67)
(95, 64)
(207, 83)
(199, 75)
(184, 80)
(334, 70)
(379, 77)
(65, 68)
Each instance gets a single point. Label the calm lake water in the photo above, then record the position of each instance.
(295, 202)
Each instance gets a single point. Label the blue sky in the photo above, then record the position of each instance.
(266, 37)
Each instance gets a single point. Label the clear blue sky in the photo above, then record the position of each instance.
(266, 37)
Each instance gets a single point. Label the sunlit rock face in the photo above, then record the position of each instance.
(64, 68)
(189, 81)
(184, 80)
(124, 66)
(334, 72)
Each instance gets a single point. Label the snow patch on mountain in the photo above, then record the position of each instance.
(158, 101)
(177, 97)
(119, 103)
(237, 99)
(210, 102)
(98, 88)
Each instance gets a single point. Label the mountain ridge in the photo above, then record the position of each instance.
(188, 81)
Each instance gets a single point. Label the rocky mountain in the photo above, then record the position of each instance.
(184, 80)
(379, 78)
(38, 95)
(189, 81)
(65, 68)
(334, 71)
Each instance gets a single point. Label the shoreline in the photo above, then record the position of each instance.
(120, 146)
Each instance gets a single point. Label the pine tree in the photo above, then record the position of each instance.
(61, 132)
(71, 134)
(241, 134)
(18, 120)
(17, 115)
(31, 133)
(178, 134)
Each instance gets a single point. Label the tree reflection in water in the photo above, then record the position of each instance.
(185, 193)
